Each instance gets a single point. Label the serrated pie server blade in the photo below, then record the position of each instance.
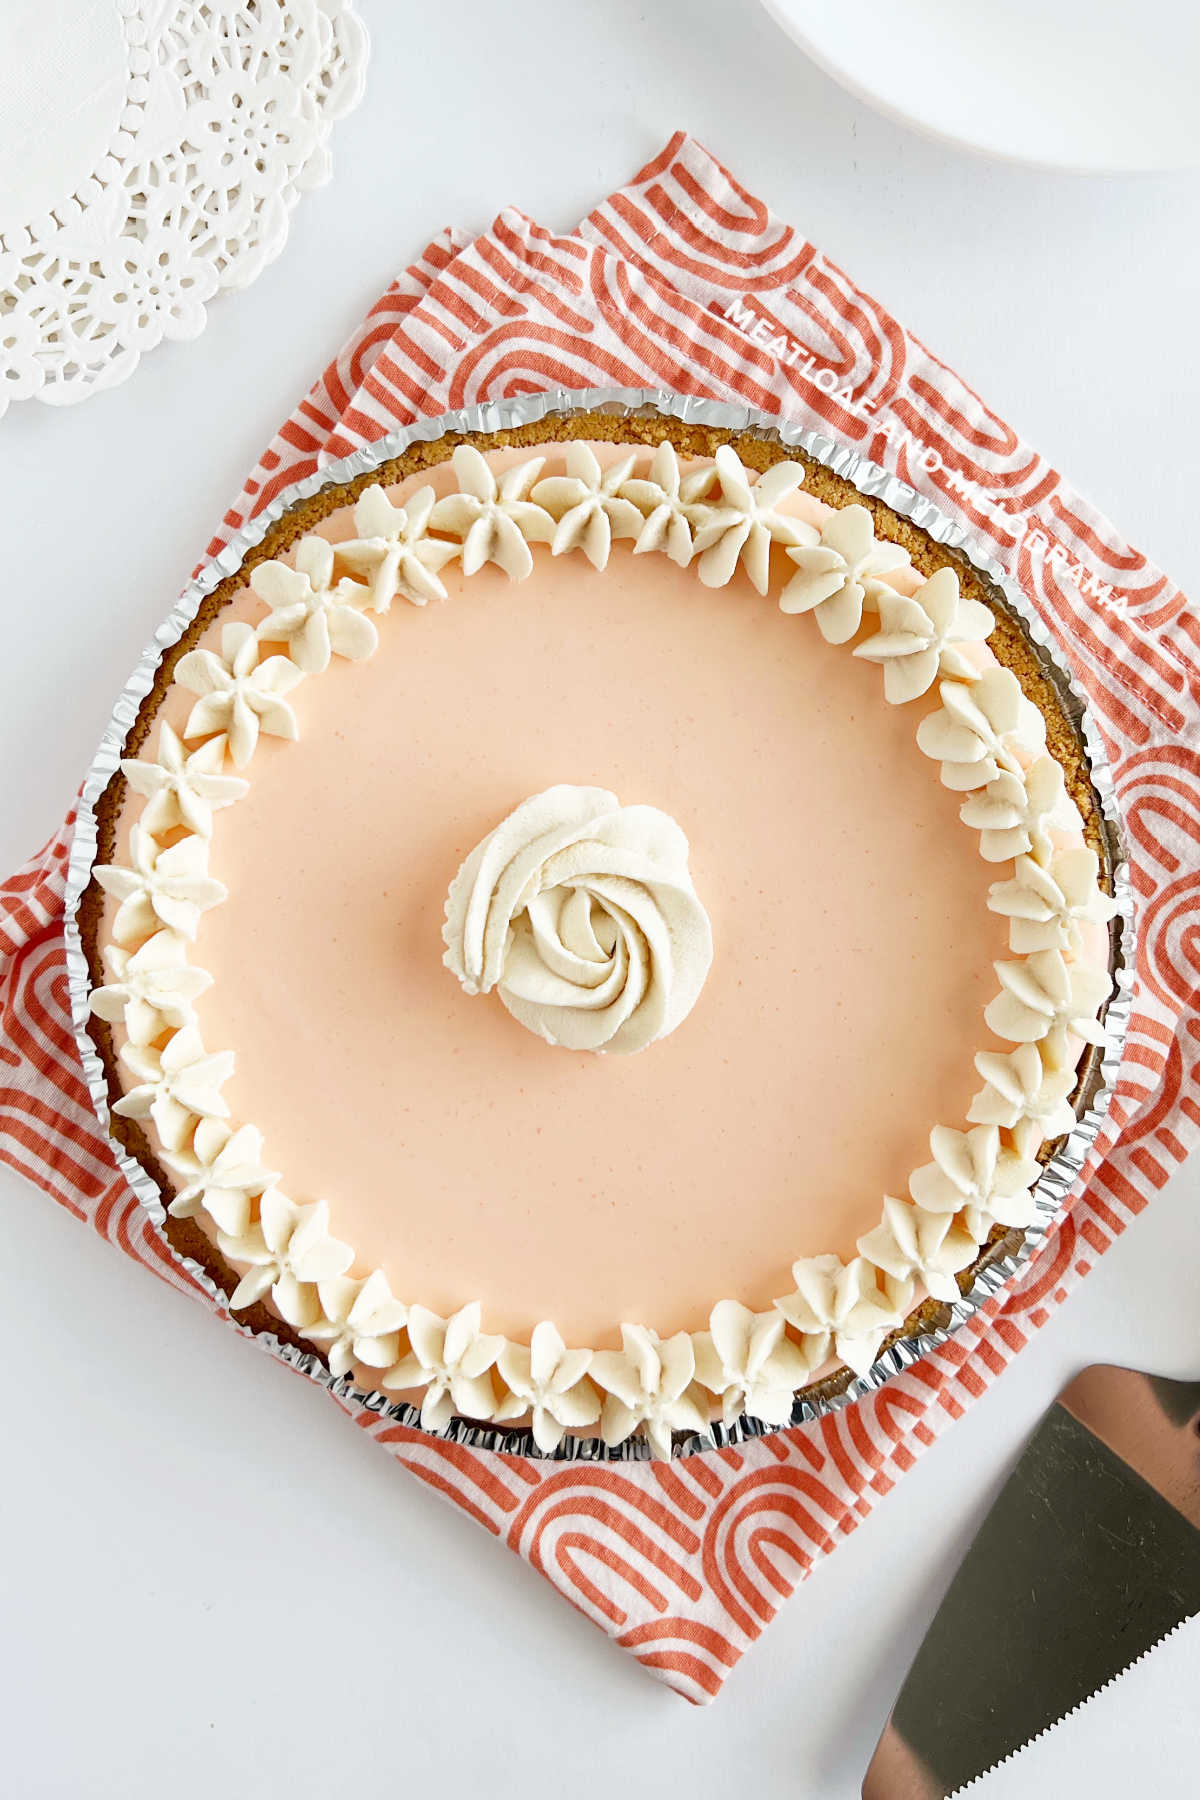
(1090, 1555)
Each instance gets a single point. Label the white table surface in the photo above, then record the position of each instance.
(208, 1582)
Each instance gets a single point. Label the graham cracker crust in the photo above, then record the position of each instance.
(1009, 643)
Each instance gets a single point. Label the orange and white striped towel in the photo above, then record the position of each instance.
(686, 280)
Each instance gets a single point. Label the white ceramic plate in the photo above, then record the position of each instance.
(1088, 85)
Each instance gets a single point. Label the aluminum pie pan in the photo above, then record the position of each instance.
(999, 1264)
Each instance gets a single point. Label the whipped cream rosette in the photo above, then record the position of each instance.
(581, 913)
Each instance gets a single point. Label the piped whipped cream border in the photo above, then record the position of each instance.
(718, 515)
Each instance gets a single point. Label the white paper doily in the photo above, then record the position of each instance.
(151, 152)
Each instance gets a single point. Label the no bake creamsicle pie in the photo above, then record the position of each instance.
(597, 927)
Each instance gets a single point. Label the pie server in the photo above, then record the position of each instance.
(1090, 1555)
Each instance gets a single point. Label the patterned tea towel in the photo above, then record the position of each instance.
(686, 280)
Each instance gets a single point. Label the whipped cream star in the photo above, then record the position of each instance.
(1015, 814)
(919, 638)
(1045, 996)
(587, 505)
(850, 1305)
(649, 1384)
(290, 1249)
(360, 1321)
(239, 695)
(451, 1359)
(181, 788)
(170, 887)
(393, 549)
(913, 1244)
(312, 614)
(152, 988)
(1028, 1099)
(746, 521)
(1047, 906)
(175, 1085)
(549, 1382)
(978, 729)
(749, 1363)
(223, 1175)
(667, 500)
(837, 578)
(972, 1169)
(496, 521)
